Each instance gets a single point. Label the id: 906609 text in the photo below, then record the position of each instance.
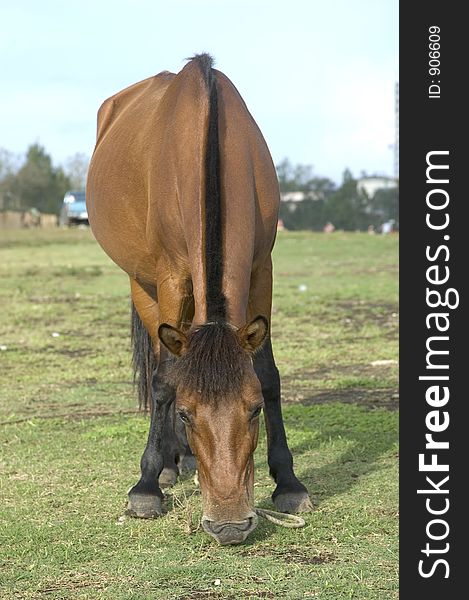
(434, 88)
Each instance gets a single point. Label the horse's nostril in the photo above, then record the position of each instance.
(215, 527)
(229, 532)
(245, 525)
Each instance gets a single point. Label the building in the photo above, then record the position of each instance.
(370, 185)
(293, 196)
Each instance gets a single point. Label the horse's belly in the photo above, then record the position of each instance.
(118, 224)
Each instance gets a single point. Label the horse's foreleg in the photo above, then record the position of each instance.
(290, 495)
(145, 498)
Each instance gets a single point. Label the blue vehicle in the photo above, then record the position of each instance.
(73, 211)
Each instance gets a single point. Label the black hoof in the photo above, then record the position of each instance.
(293, 502)
(167, 478)
(144, 506)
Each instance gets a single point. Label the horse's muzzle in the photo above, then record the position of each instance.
(230, 532)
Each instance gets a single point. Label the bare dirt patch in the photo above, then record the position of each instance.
(371, 398)
(294, 554)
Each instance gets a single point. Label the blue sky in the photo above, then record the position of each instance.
(318, 76)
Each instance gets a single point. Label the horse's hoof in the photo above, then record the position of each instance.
(188, 464)
(293, 502)
(167, 478)
(144, 506)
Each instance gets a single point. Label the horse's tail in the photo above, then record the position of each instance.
(215, 299)
(143, 359)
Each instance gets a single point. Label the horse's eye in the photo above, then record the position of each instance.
(183, 416)
(256, 412)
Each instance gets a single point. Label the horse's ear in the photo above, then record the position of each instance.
(174, 339)
(253, 335)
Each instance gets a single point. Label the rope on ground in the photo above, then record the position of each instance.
(281, 519)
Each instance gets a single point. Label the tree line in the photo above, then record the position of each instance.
(34, 182)
(345, 206)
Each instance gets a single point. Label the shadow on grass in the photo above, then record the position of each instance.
(367, 435)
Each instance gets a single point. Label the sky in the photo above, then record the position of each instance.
(318, 76)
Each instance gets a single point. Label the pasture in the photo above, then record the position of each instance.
(71, 437)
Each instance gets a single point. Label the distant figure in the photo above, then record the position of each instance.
(30, 218)
(280, 225)
(328, 227)
(371, 229)
(387, 227)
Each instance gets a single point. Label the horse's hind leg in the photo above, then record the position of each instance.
(185, 459)
(290, 495)
(177, 455)
(169, 474)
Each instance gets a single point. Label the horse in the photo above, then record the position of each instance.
(182, 194)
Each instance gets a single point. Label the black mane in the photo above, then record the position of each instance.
(213, 364)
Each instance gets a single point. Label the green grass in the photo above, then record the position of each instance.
(71, 439)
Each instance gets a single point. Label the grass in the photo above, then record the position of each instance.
(71, 438)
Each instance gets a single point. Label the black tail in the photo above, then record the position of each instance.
(215, 299)
(143, 359)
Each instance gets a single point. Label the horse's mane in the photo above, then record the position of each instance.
(214, 363)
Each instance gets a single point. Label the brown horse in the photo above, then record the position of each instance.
(183, 196)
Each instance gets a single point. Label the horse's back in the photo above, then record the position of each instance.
(145, 189)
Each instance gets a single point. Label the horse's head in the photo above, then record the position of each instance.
(219, 399)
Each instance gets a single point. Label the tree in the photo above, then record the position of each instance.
(300, 178)
(386, 205)
(37, 183)
(348, 208)
(76, 169)
(309, 213)
(8, 165)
